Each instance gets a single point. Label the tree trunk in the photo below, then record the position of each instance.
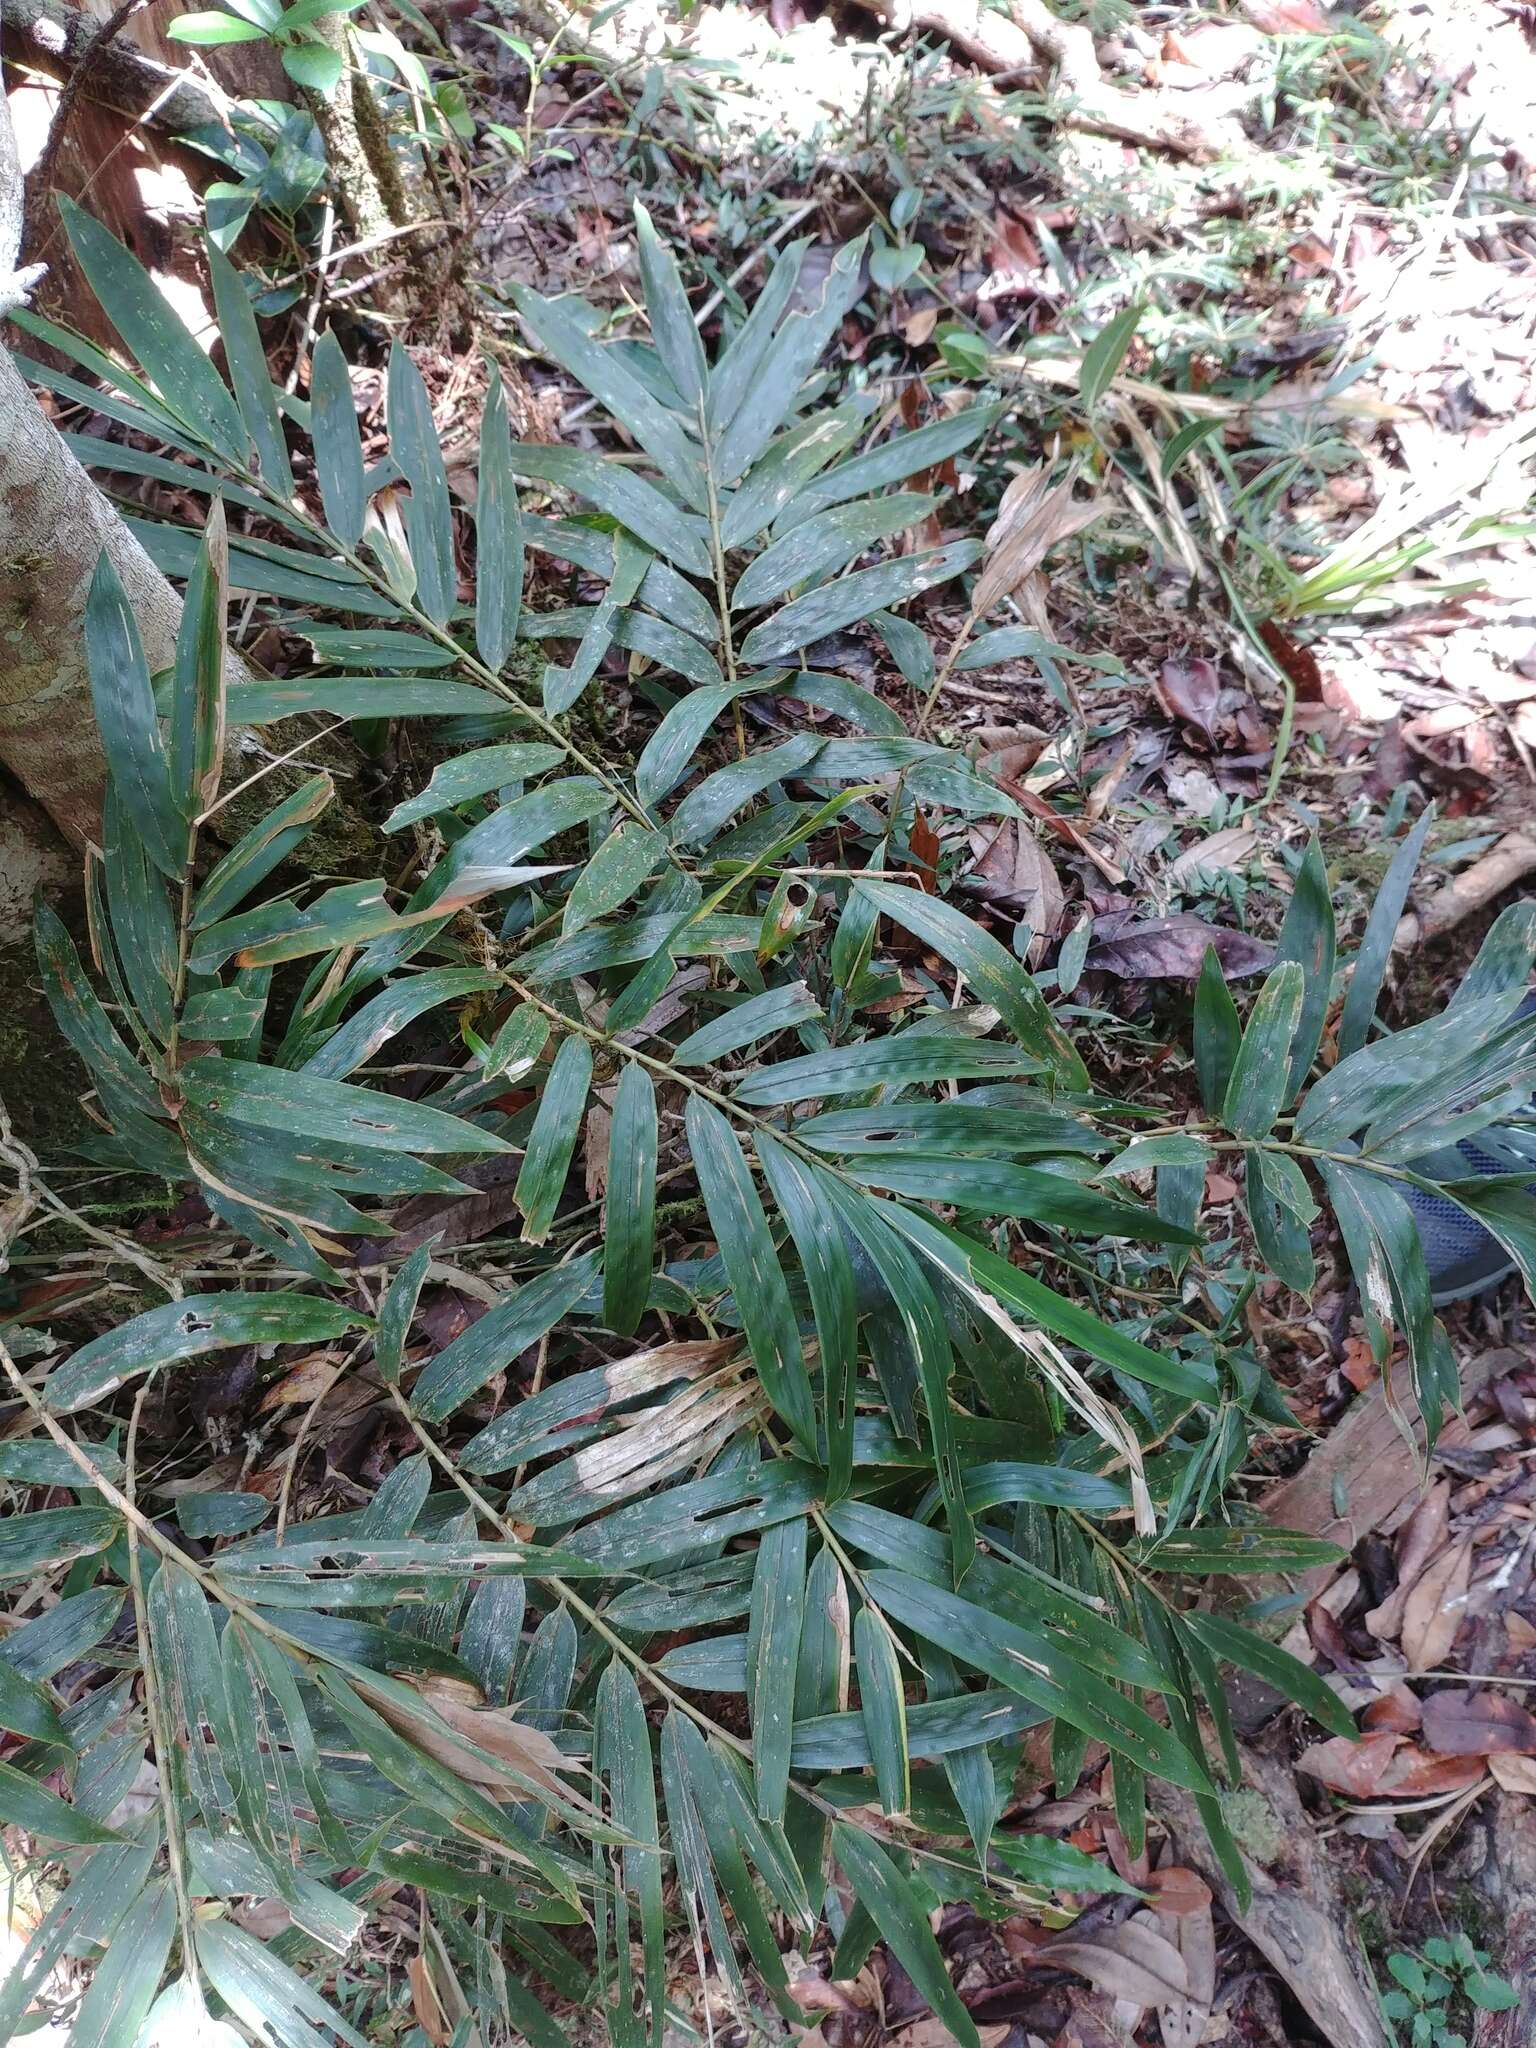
(54, 524)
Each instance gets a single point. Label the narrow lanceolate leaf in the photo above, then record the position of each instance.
(672, 323)
(562, 686)
(84, 1023)
(993, 973)
(560, 332)
(629, 499)
(186, 1329)
(25, 1710)
(470, 775)
(629, 1216)
(518, 1043)
(253, 857)
(1218, 1033)
(818, 547)
(784, 362)
(776, 1009)
(884, 1707)
(903, 455)
(614, 873)
(552, 1141)
(389, 1012)
(155, 333)
(1307, 937)
(854, 597)
(489, 1346)
(1376, 944)
(1260, 1082)
(1105, 353)
(902, 1919)
(53, 1536)
(752, 1266)
(428, 514)
(143, 929)
(302, 1105)
(197, 713)
(338, 442)
(622, 1759)
(123, 1982)
(247, 358)
(397, 1311)
(894, 1062)
(125, 715)
(24, 1803)
(816, 1228)
(498, 534)
(1032, 1663)
(773, 1651)
(1277, 1667)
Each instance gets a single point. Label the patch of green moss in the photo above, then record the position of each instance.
(41, 1080)
(1255, 1825)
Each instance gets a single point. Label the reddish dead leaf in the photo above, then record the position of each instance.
(923, 851)
(1189, 690)
(1298, 663)
(1327, 1635)
(425, 2003)
(1397, 1712)
(1521, 1635)
(1064, 828)
(1358, 1364)
(1416, 1774)
(1177, 1891)
(1436, 1607)
(1422, 1537)
(1220, 1188)
(1461, 1723)
(312, 1376)
(1353, 1768)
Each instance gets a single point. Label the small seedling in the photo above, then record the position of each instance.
(1433, 1987)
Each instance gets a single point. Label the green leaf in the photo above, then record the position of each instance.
(854, 597)
(273, 2001)
(188, 1328)
(777, 1615)
(1370, 968)
(998, 1187)
(1105, 353)
(197, 692)
(1218, 1033)
(156, 336)
(761, 1016)
(995, 976)
(517, 1045)
(1307, 937)
(602, 627)
(470, 775)
(1056, 1866)
(621, 1757)
(143, 930)
(50, 1642)
(301, 1104)
(51, 1536)
(552, 1141)
(123, 1983)
(1277, 1668)
(816, 1228)
(629, 1213)
(752, 1266)
(560, 333)
(498, 534)
(265, 846)
(24, 1803)
(130, 730)
(884, 1707)
(697, 1516)
(1237, 1551)
(388, 1014)
(1032, 1664)
(888, 1898)
(487, 1347)
(24, 1709)
(818, 547)
(623, 861)
(315, 66)
(1260, 1083)
(210, 28)
(969, 1771)
(672, 323)
(629, 499)
(743, 429)
(338, 441)
(246, 355)
(780, 474)
(903, 455)
(904, 1058)
(428, 515)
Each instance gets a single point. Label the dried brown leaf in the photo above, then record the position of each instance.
(1033, 517)
(1513, 1773)
(1189, 689)
(1461, 1723)
(1132, 1961)
(1422, 1537)
(1436, 1607)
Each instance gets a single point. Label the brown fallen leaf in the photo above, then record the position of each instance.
(1416, 1774)
(1397, 1711)
(1175, 1890)
(1298, 663)
(1436, 1607)
(1422, 1537)
(1461, 1723)
(1514, 1773)
(1132, 1961)
(1171, 948)
(425, 2003)
(313, 1375)
(1189, 689)
(1032, 518)
(1354, 1768)
(1013, 870)
(1193, 1933)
